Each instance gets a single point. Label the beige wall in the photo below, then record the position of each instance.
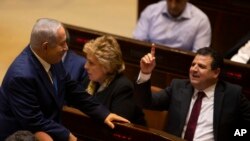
(18, 16)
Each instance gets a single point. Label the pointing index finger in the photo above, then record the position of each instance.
(153, 50)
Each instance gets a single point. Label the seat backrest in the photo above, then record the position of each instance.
(155, 119)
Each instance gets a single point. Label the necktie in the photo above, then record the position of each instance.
(191, 126)
(54, 80)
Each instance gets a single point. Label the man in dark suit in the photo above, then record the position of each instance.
(36, 86)
(222, 107)
(74, 64)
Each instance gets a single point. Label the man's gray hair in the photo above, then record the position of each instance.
(45, 30)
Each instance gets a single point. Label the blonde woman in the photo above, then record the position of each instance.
(107, 83)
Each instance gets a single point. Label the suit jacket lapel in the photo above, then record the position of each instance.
(186, 95)
(43, 75)
(218, 102)
(58, 72)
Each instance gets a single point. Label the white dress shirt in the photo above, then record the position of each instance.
(204, 128)
(45, 65)
(243, 54)
(190, 31)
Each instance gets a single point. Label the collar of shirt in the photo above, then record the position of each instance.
(186, 14)
(64, 56)
(209, 92)
(43, 62)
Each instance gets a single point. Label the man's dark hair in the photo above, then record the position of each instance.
(22, 135)
(217, 61)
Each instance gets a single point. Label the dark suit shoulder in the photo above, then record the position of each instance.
(75, 56)
(229, 87)
(24, 66)
(121, 80)
(180, 82)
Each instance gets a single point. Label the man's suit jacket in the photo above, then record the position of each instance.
(28, 101)
(74, 64)
(230, 106)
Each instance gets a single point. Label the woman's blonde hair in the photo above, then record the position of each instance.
(108, 53)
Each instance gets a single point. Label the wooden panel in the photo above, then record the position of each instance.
(156, 119)
(87, 129)
(229, 19)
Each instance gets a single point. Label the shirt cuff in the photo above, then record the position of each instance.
(143, 78)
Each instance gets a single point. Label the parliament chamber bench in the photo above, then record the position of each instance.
(171, 63)
(86, 129)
